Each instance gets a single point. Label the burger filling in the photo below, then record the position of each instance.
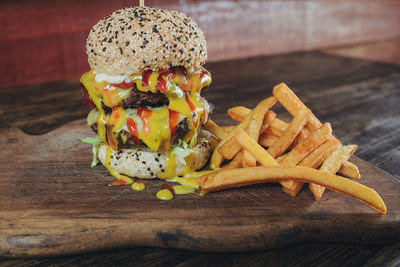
(153, 109)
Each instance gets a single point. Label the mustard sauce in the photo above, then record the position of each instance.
(164, 194)
(170, 169)
(191, 179)
(157, 134)
(114, 173)
(182, 189)
(181, 87)
(189, 168)
(138, 186)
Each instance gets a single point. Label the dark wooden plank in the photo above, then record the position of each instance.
(44, 40)
(388, 256)
(48, 176)
(311, 254)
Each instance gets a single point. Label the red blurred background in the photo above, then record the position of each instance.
(45, 40)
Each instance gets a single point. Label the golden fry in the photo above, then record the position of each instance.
(350, 170)
(293, 104)
(283, 143)
(224, 179)
(295, 189)
(307, 146)
(331, 165)
(214, 142)
(302, 150)
(267, 140)
(229, 128)
(215, 129)
(249, 144)
(311, 160)
(262, 156)
(216, 158)
(231, 147)
(236, 162)
(238, 113)
(254, 128)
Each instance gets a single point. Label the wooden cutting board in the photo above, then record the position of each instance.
(53, 203)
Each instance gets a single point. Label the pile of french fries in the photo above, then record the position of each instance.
(262, 148)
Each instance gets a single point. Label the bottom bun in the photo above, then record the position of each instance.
(147, 164)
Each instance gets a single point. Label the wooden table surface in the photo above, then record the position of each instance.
(360, 98)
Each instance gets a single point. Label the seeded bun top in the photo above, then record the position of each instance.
(143, 38)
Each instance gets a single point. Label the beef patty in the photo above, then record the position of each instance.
(181, 130)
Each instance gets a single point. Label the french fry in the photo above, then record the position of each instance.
(215, 129)
(271, 124)
(238, 113)
(249, 144)
(311, 160)
(293, 104)
(267, 140)
(277, 127)
(224, 179)
(295, 189)
(229, 128)
(303, 135)
(283, 143)
(262, 156)
(331, 165)
(307, 146)
(329, 146)
(214, 142)
(217, 158)
(326, 154)
(268, 118)
(236, 162)
(254, 128)
(231, 147)
(302, 150)
(350, 170)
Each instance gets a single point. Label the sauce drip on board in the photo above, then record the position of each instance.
(138, 186)
(164, 194)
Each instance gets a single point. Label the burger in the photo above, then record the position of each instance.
(144, 88)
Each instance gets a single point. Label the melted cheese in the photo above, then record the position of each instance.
(122, 179)
(138, 186)
(183, 92)
(164, 194)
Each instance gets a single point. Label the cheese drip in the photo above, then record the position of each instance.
(181, 87)
(182, 90)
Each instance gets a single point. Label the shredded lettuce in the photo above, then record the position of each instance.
(90, 140)
(92, 116)
(181, 149)
(95, 141)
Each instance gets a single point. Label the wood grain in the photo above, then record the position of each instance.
(370, 119)
(48, 176)
(45, 40)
